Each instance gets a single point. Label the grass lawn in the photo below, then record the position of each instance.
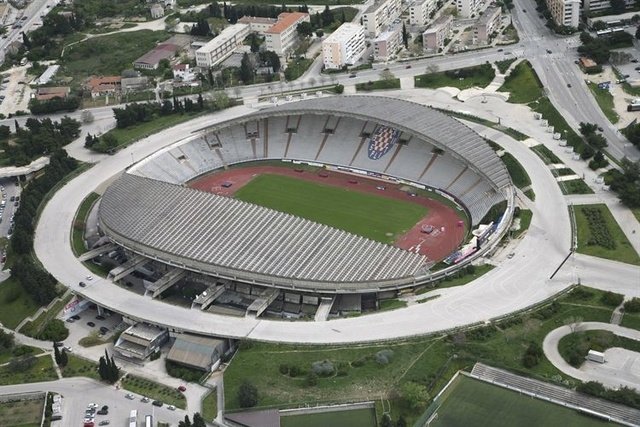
(126, 136)
(575, 347)
(210, 406)
(622, 251)
(22, 413)
(525, 220)
(475, 403)
(530, 194)
(391, 304)
(79, 367)
(451, 281)
(42, 370)
(575, 186)
(546, 155)
(522, 84)
(18, 350)
(15, 304)
(367, 215)
(428, 360)
(154, 391)
(636, 213)
(34, 327)
(631, 320)
(378, 85)
(605, 101)
(549, 112)
(519, 175)
(480, 76)
(296, 68)
(77, 235)
(108, 55)
(503, 66)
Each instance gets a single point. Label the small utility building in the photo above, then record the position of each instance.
(197, 352)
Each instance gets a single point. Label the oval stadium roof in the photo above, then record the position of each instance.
(229, 238)
(424, 122)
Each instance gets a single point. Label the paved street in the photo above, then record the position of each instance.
(621, 369)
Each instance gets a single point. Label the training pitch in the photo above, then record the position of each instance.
(474, 403)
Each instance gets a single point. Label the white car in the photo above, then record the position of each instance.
(70, 350)
(89, 277)
(171, 407)
(129, 396)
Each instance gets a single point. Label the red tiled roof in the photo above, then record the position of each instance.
(285, 20)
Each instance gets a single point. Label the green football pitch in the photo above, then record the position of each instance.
(367, 215)
(473, 403)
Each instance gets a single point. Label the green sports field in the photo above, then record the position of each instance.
(367, 215)
(473, 403)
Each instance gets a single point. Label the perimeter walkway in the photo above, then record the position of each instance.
(622, 368)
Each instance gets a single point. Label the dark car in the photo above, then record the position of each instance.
(58, 344)
(408, 66)
(75, 317)
(100, 317)
(82, 284)
(103, 412)
(104, 329)
(569, 85)
(548, 51)
(91, 324)
(634, 60)
(352, 75)
(105, 408)
(500, 50)
(157, 403)
(182, 388)
(13, 198)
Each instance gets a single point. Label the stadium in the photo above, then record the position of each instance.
(334, 201)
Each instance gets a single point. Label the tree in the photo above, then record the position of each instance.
(247, 395)
(416, 395)
(186, 422)
(327, 16)
(304, 29)
(64, 359)
(638, 33)
(26, 41)
(405, 35)
(56, 354)
(386, 420)
(386, 74)
(198, 421)
(246, 69)
(401, 422)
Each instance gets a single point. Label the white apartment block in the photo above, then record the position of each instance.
(258, 24)
(283, 35)
(344, 46)
(380, 15)
(219, 48)
(387, 44)
(420, 11)
(565, 12)
(433, 38)
(487, 24)
(467, 8)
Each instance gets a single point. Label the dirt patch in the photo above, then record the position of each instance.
(444, 222)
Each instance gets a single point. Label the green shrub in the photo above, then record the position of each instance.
(311, 379)
(611, 299)
(383, 357)
(284, 369)
(322, 368)
(55, 330)
(632, 306)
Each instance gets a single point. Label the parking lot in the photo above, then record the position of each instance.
(79, 393)
(88, 322)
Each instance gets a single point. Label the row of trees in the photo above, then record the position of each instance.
(626, 183)
(107, 369)
(599, 48)
(53, 105)
(38, 283)
(595, 142)
(37, 138)
(61, 357)
(198, 421)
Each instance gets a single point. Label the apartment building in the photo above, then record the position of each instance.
(344, 46)
(219, 48)
(380, 15)
(467, 8)
(565, 12)
(283, 35)
(433, 38)
(387, 44)
(420, 11)
(487, 24)
(258, 24)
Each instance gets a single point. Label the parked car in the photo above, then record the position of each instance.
(171, 407)
(100, 317)
(82, 285)
(104, 329)
(157, 403)
(58, 344)
(144, 399)
(91, 324)
(104, 423)
(105, 408)
(75, 317)
(103, 412)
(182, 388)
(129, 396)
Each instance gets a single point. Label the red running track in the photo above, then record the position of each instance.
(445, 238)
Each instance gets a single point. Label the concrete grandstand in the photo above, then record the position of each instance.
(256, 258)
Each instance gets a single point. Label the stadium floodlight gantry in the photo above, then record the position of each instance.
(149, 210)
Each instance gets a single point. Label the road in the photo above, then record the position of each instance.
(621, 368)
(79, 392)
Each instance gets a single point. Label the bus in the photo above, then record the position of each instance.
(148, 421)
(133, 418)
